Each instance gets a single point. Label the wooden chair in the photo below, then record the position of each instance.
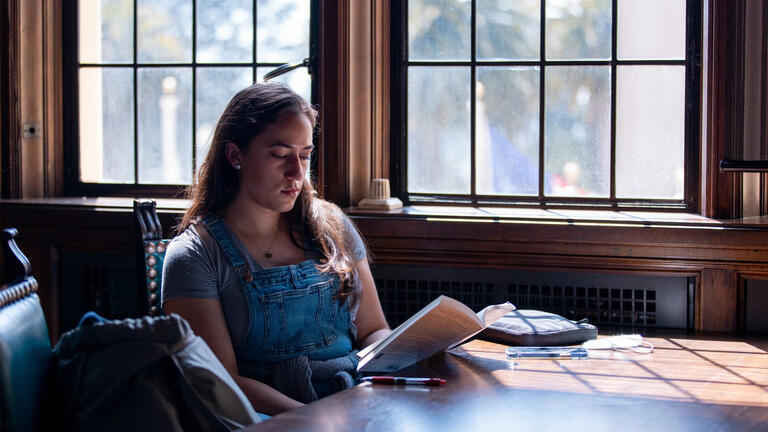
(150, 252)
(25, 347)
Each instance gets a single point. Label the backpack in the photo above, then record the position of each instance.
(147, 374)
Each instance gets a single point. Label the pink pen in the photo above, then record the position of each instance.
(404, 380)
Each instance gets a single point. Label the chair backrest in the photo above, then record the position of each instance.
(150, 252)
(25, 347)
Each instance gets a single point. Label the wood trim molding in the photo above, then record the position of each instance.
(638, 248)
(369, 83)
(333, 154)
(31, 81)
(380, 49)
(53, 101)
(764, 112)
(369, 95)
(11, 114)
(734, 106)
(354, 97)
(716, 185)
(360, 100)
(31, 90)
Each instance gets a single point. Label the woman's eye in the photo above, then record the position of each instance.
(279, 156)
(304, 157)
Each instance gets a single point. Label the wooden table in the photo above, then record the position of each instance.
(688, 384)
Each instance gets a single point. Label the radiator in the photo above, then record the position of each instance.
(604, 299)
(107, 285)
(102, 283)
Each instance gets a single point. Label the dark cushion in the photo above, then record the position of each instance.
(25, 366)
(534, 328)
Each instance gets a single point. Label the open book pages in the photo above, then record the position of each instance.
(442, 324)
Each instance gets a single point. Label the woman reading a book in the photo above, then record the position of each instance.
(272, 277)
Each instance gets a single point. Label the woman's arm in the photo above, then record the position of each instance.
(370, 321)
(206, 318)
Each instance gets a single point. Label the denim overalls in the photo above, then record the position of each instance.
(293, 311)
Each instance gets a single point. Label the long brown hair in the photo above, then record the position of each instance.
(249, 112)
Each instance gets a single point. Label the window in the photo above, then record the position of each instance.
(150, 78)
(553, 102)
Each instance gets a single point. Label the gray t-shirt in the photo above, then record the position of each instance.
(196, 267)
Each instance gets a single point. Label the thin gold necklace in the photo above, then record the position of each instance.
(267, 253)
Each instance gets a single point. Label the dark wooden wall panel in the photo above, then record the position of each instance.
(714, 256)
(718, 257)
(718, 300)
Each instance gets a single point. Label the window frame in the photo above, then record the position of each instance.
(399, 124)
(73, 186)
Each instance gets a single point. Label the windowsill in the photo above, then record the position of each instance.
(533, 216)
(101, 203)
(537, 216)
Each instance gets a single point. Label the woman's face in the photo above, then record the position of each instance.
(275, 163)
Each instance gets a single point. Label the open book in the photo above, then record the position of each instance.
(440, 325)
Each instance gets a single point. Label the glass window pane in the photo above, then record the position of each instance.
(282, 31)
(651, 29)
(578, 29)
(577, 149)
(165, 125)
(164, 31)
(438, 130)
(650, 131)
(299, 80)
(224, 31)
(106, 125)
(215, 87)
(105, 31)
(507, 131)
(508, 29)
(439, 29)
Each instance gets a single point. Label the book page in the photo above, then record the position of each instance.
(487, 316)
(364, 352)
(431, 334)
(441, 302)
(494, 312)
(440, 325)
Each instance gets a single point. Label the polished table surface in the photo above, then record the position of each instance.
(689, 383)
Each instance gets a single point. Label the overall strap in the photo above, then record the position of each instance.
(215, 226)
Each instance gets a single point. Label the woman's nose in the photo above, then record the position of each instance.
(294, 168)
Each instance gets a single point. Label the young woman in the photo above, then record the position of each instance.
(274, 279)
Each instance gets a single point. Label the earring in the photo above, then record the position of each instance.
(237, 167)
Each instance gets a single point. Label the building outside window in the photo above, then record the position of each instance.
(530, 102)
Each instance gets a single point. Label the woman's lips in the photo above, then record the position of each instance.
(291, 192)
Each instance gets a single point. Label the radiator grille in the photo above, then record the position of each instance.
(105, 284)
(599, 304)
(110, 290)
(613, 300)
